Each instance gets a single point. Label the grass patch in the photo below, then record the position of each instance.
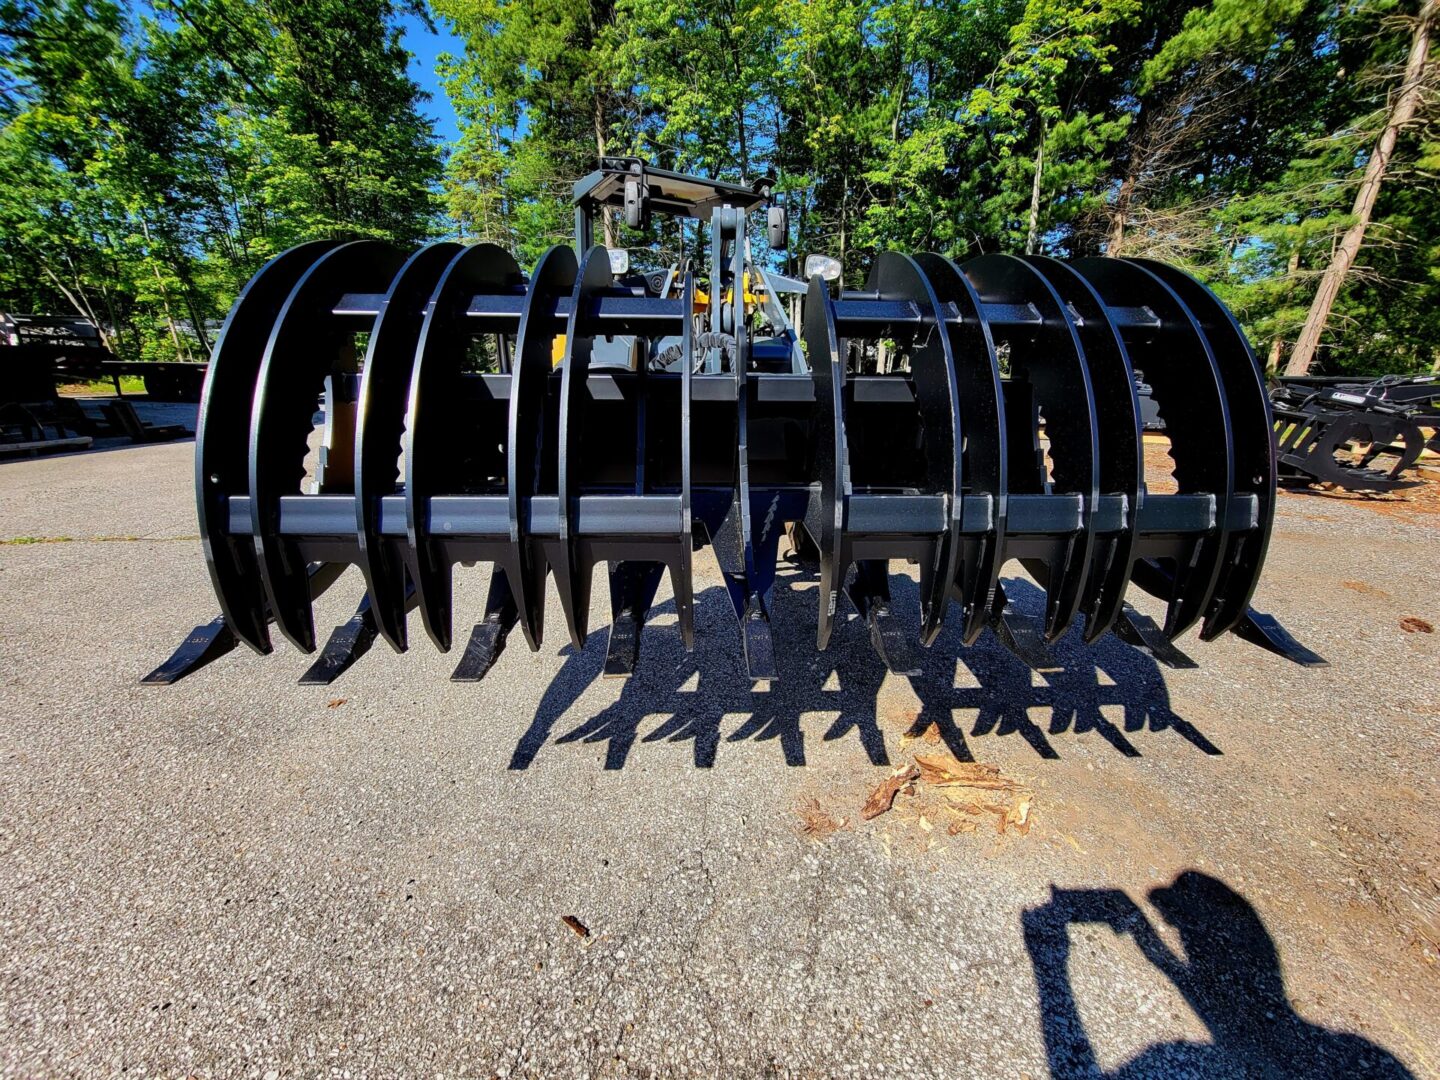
(129, 384)
(17, 541)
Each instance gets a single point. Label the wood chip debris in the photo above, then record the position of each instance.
(581, 930)
(951, 777)
(1019, 815)
(942, 772)
(335, 703)
(816, 822)
(883, 797)
(1412, 624)
(931, 735)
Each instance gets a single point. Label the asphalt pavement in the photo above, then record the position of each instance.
(1225, 871)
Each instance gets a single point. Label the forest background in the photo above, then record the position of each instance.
(154, 154)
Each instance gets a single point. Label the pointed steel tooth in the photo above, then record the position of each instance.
(487, 642)
(889, 640)
(205, 643)
(1024, 637)
(623, 649)
(348, 642)
(487, 639)
(869, 591)
(1139, 630)
(759, 644)
(1265, 630)
(632, 591)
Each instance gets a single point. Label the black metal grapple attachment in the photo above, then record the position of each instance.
(1335, 430)
(956, 417)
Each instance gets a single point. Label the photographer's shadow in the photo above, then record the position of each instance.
(1229, 974)
(693, 694)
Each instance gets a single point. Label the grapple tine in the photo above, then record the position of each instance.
(1251, 426)
(1170, 348)
(441, 414)
(981, 430)
(347, 643)
(530, 479)
(222, 440)
(205, 644)
(380, 432)
(1120, 459)
(1140, 630)
(309, 350)
(568, 554)
(487, 638)
(825, 513)
(1047, 361)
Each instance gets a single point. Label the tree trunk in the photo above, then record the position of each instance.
(1032, 238)
(598, 118)
(1116, 235)
(1277, 346)
(180, 351)
(1403, 112)
(82, 308)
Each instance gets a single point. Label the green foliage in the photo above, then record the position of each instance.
(163, 153)
(163, 158)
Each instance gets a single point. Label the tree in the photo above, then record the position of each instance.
(158, 161)
(536, 88)
(1402, 112)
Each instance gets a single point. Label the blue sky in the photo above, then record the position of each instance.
(424, 46)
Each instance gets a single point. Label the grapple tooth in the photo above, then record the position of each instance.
(869, 591)
(1023, 636)
(1140, 630)
(632, 591)
(530, 445)
(1265, 630)
(204, 645)
(758, 642)
(487, 639)
(347, 643)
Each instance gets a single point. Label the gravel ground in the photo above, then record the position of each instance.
(1230, 871)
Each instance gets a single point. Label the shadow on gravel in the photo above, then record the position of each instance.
(1229, 974)
(691, 694)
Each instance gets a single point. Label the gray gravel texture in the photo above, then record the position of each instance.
(1231, 871)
